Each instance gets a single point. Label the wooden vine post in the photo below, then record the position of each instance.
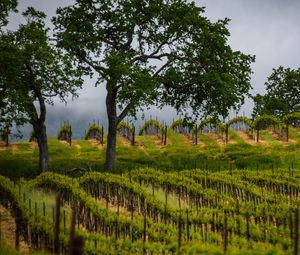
(287, 132)
(166, 130)
(18, 228)
(102, 136)
(257, 133)
(166, 194)
(70, 137)
(35, 211)
(6, 137)
(196, 134)
(291, 225)
(133, 136)
(145, 229)
(248, 226)
(226, 134)
(187, 225)
(162, 135)
(225, 233)
(179, 231)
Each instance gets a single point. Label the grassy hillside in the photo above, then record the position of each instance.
(21, 158)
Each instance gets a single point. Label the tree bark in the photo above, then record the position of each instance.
(111, 108)
(111, 144)
(113, 121)
(38, 123)
(41, 136)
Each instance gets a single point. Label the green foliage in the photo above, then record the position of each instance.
(33, 69)
(92, 128)
(290, 117)
(33, 72)
(149, 123)
(183, 123)
(265, 118)
(37, 224)
(20, 160)
(213, 121)
(119, 42)
(282, 97)
(243, 119)
(65, 129)
(125, 125)
(205, 198)
(6, 6)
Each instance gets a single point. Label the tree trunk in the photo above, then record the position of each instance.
(111, 109)
(111, 145)
(39, 128)
(6, 138)
(41, 136)
(113, 121)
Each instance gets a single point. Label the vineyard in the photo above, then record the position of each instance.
(147, 211)
(194, 179)
(174, 149)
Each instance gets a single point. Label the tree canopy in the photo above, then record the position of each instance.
(154, 52)
(282, 93)
(6, 6)
(33, 71)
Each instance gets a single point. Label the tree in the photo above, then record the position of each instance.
(33, 71)
(153, 52)
(282, 93)
(5, 7)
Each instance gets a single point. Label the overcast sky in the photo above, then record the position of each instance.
(268, 29)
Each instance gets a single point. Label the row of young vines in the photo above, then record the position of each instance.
(147, 211)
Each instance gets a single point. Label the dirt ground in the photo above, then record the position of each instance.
(33, 145)
(125, 142)
(247, 138)
(188, 140)
(8, 230)
(96, 143)
(217, 138)
(158, 141)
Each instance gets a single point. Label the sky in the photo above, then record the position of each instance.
(268, 29)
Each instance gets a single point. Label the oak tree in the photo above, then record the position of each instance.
(6, 6)
(282, 93)
(33, 72)
(153, 52)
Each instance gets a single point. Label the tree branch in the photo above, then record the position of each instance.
(126, 46)
(97, 68)
(39, 95)
(151, 56)
(33, 115)
(50, 95)
(126, 110)
(163, 67)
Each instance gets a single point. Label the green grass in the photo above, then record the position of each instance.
(265, 136)
(21, 159)
(172, 201)
(6, 250)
